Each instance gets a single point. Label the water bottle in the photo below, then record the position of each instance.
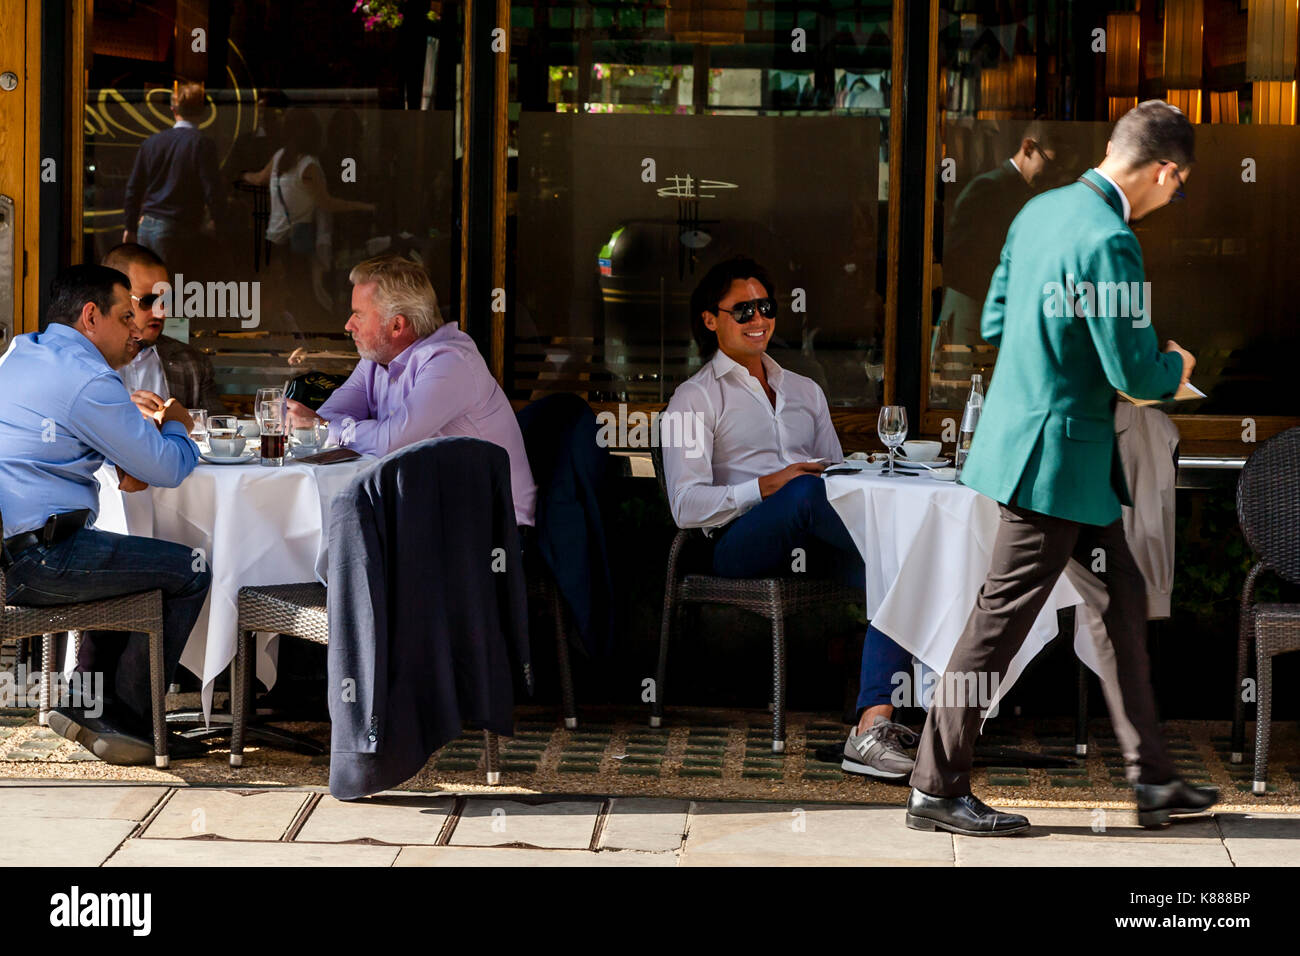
(970, 418)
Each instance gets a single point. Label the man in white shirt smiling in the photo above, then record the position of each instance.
(765, 434)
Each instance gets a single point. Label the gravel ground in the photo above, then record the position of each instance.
(703, 754)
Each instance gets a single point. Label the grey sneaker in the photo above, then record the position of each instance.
(879, 752)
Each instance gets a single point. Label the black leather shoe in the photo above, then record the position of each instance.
(1157, 802)
(102, 739)
(965, 815)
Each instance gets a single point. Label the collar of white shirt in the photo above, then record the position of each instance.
(1122, 198)
(723, 364)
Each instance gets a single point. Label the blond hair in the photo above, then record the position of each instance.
(402, 287)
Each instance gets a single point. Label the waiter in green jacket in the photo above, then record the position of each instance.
(1069, 309)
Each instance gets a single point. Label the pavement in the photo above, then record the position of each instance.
(113, 824)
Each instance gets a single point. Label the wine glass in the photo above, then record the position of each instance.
(891, 426)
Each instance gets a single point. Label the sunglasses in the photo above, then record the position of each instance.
(743, 312)
(146, 301)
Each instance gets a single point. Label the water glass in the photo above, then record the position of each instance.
(200, 430)
(891, 426)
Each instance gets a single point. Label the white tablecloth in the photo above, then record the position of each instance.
(253, 524)
(927, 545)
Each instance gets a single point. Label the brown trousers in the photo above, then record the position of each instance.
(1030, 553)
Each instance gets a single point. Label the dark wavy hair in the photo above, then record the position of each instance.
(713, 288)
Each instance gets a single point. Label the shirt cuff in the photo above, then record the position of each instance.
(747, 495)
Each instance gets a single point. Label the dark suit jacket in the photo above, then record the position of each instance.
(189, 375)
(570, 470)
(978, 228)
(426, 615)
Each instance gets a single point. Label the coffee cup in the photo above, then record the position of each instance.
(248, 428)
(227, 447)
(919, 450)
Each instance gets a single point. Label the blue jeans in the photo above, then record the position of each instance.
(91, 565)
(163, 237)
(760, 543)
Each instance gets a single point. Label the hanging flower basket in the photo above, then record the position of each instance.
(387, 14)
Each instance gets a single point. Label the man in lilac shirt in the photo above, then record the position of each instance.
(418, 377)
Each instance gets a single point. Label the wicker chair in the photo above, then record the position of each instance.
(772, 598)
(1268, 509)
(133, 612)
(295, 610)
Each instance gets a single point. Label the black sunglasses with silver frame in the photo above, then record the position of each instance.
(743, 312)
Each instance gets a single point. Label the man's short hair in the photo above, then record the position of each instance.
(402, 287)
(188, 100)
(76, 285)
(121, 257)
(713, 288)
(1041, 133)
(1154, 131)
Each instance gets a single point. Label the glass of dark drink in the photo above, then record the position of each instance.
(270, 420)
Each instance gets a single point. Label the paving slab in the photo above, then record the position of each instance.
(1261, 839)
(559, 824)
(61, 841)
(86, 802)
(862, 835)
(231, 814)
(1099, 824)
(512, 856)
(394, 819)
(1029, 850)
(640, 824)
(235, 853)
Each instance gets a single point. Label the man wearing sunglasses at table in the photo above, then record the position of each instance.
(751, 480)
(164, 367)
(63, 412)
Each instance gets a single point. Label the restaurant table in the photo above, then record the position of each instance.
(253, 524)
(927, 545)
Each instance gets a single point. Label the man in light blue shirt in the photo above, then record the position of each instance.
(64, 411)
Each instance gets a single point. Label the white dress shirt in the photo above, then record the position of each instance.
(1123, 200)
(146, 371)
(740, 437)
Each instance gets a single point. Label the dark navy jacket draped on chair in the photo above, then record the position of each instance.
(570, 469)
(428, 620)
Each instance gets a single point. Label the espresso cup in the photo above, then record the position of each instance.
(227, 447)
(918, 450)
(248, 428)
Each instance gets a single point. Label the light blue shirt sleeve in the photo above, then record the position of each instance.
(104, 417)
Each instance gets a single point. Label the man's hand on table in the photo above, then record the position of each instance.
(1189, 360)
(770, 484)
(174, 411)
(299, 415)
(126, 482)
(149, 403)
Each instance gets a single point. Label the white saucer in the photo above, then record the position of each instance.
(917, 463)
(243, 459)
(943, 474)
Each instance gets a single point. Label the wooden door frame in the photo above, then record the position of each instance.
(20, 156)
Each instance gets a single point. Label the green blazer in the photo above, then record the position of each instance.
(1068, 337)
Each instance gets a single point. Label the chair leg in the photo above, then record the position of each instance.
(241, 682)
(491, 757)
(1263, 717)
(1081, 718)
(1245, 635)
(672, 613)
(778, 680)
(47, 674)
(562, 658)
(158, 684)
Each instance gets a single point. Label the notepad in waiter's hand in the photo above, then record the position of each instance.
(1185, 391)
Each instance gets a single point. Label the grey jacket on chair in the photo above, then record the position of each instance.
(427, 610)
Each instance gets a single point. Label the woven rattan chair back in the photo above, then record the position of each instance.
(1268, 503)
